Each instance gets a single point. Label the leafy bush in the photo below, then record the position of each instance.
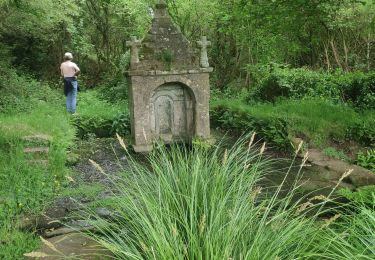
(21, 93)
(318, 121)
(273, 129)
(367, 160)
(114, 89)
(99, 117)
(296, 83)
(363, 131)
(357, 89)
(364, 196)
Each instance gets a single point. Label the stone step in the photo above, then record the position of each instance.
(39, 162)
(37, 139)
(36, 150)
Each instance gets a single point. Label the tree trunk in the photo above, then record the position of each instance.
(335, 54)
(346, 55)
(328, 63)
(368, 54)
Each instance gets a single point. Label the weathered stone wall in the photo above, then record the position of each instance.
(140, 107)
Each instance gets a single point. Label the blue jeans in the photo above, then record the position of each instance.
(71, 98)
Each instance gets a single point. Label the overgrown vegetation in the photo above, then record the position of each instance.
(355, 89)
(284, 69)
(101, 118)
(22, 93)
(367, 159)
(27, 182)
(317, 120)
(208, 203)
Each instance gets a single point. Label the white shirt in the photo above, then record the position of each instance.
(68, 69)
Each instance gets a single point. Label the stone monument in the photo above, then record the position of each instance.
(169, 91)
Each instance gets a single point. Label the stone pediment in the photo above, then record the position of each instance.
(165, 48)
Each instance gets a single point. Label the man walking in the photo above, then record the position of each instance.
(70, 71)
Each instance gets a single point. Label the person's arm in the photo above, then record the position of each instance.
(78, 71)
(61, 71)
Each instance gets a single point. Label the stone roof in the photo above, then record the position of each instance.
(165, 48)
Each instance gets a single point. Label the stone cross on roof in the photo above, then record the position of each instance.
(134, 44)
(203, 43)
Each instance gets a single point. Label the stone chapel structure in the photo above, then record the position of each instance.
(169, 85)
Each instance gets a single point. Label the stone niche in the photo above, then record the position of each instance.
(169, 91)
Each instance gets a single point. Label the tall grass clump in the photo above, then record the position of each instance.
(205, 204)
(353, 237)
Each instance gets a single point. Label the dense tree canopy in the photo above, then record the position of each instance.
(246, 34)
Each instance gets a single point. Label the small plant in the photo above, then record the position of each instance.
(333, 153)
(367, 160)
(201, 143)
(364, 196)
(166, 56)
(121, 125)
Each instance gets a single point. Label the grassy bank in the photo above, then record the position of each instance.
(318, 121)
(27, 183)
(27, 187)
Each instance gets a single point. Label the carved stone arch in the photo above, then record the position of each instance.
(172, 112)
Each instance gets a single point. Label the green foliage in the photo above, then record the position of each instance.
(367, 159)
(21, 93)
(26, 187)
(35, 32)
(204, 204)
(316, 119)
(166, 56)
(325, 34)
(295, 83)
(14, 243)
(357, 89)
(201, 144)
(363, 131)
(100, 117)
(358, 229)
(114, 88)
(332, 152)
(238, 117)
(364, 196)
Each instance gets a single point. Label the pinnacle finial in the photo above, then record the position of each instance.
(161, 9)
(162, 4)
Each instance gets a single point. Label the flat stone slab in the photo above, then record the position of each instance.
(39, 162)
(70, 246)
(359, 177)
(37, 137)
(36, 150)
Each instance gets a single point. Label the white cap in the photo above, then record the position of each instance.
(68, 56)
